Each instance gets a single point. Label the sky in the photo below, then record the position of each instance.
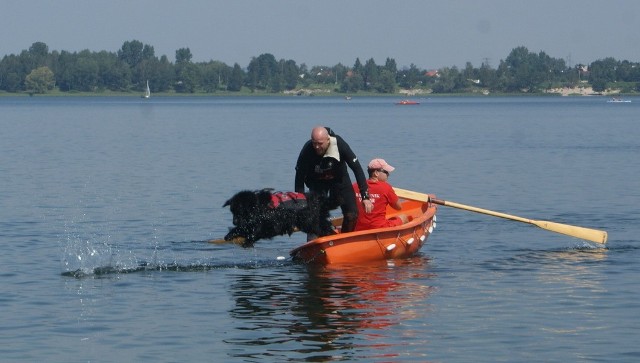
(429, 34)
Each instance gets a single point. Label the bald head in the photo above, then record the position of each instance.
(320, 139)
(319, 133)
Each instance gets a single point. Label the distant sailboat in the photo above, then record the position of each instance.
(147, 92)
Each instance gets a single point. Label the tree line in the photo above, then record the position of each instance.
(38, 70)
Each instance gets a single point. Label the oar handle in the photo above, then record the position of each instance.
(480, 210)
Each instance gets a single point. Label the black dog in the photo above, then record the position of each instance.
(263, 214)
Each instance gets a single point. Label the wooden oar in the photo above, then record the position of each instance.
(588, 234)
(237, 240)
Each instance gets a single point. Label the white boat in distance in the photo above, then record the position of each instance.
(147, 92)
(618, 100)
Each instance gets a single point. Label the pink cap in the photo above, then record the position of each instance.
(380, 164)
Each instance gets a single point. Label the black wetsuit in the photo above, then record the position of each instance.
(329, 176)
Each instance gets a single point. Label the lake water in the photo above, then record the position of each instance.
(107, 204)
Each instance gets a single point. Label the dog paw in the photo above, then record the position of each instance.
(246, 244)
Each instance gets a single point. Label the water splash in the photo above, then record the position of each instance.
(174, 267)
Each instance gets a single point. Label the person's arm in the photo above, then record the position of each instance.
(352, 161)
(396, 205)
(301, 170)
(394, 201)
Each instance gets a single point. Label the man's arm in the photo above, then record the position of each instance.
(352, 161)
(301, 170)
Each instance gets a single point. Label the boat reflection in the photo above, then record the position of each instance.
(321, 312)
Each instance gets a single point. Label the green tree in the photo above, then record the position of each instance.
(78, 72)
(263, 73)
(602, 72)
(113, 74)
(598, 85)
(40, 80)
(340, 72)
(131, 53)
(469, 73)
(449, 80)
(487, 77)
(142, 72)
(65, 70)
(357, 75)
(85, 73)
(390, 65)
(547, 70)
(183, 55)
(304, 75)
(409, 78)
(571, 77)
(213, 74)
(628, 71)
(519, 69)
(386, 82)
(12, 75)
(161, 74)
(352, 83)
(38, 55)
(528, 72)
(290, 74)
(236, 79)
(277, 81)
(188, 77)
(322, 74)
(137, 56)
(148, 53)
(370, 75)
(358, 67)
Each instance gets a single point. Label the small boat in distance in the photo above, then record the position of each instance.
(147, 92)
(618, 100)
(407, 102)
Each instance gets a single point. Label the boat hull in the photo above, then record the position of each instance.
(407, 102)
(375, 244)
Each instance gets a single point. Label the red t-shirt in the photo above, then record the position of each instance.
(381, 195)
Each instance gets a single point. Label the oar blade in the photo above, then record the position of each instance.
(588, 234)
(236, 240)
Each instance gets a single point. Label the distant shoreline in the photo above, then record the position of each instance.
(325, 92)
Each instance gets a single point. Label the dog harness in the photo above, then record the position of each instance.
(290, 200)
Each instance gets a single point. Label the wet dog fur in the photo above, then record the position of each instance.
(255, 218)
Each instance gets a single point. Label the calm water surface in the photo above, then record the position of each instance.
(107, 204)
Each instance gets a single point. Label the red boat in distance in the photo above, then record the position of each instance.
(407, 102)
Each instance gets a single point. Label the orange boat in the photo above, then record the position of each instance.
(374, 244)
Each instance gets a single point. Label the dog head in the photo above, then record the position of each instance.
(248, 203)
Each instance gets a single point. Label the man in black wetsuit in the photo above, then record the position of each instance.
(322, 167)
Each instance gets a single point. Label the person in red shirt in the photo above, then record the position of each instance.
(381, 194)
